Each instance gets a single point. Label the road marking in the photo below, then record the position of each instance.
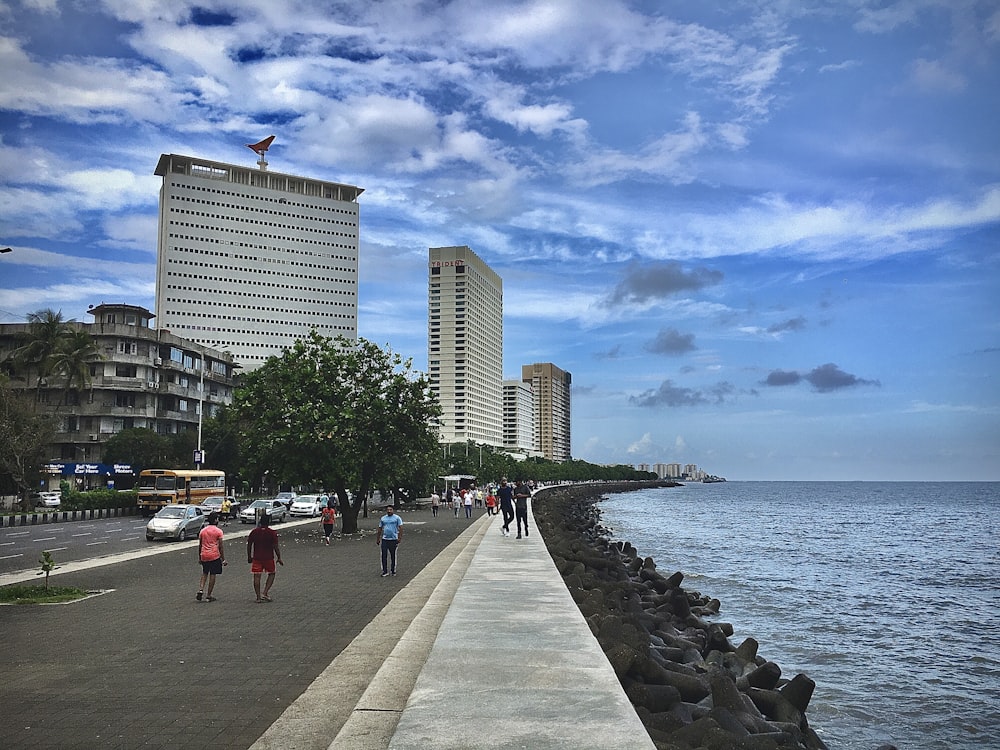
(57, 549)
(87, 534)
(7, 544)
(19, 533)
(91, 544)
(11, 557)
(45, 539)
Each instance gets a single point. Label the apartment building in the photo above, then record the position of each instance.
(145, 378)
(249, 260)
(465, 345)
(550, 388)
(519, 417)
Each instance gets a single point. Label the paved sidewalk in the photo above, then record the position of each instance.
(146, 666)
(476, 644)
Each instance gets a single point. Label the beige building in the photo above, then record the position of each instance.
(465, 345)
(551, 397)
(519, 418)
(249, 261)
(146, 378)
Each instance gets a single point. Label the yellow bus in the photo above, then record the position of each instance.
(159, 487)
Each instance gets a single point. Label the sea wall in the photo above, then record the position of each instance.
(690, 685)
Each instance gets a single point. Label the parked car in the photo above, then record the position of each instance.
(211, 505)
(306, 505)
(275, 509)
(48, 499)
(176, 521)
(286, 497)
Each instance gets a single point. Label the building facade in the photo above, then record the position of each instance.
(550, 388)
(465, 345)
(249, 261)
(145, 378)
(518, 418)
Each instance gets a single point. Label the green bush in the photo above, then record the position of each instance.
(94, 499)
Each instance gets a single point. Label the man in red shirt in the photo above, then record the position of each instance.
(262, 550)
(211, 555)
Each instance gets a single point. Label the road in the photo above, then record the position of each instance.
(21, 547)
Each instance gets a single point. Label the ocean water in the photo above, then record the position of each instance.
(884, 593)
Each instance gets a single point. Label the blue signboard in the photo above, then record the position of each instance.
(79, 469)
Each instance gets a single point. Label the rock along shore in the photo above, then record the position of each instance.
(691, 687)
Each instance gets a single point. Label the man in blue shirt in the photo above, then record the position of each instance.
(388, 536)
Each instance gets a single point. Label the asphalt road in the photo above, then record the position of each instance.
(21, 547)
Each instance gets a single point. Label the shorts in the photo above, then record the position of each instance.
(327, 529)
(212, 567)
(262, 566)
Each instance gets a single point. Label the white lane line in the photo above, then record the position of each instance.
(45, 539)
(11, 557)
(57, 549)
(87, 534)
(19, 533)
(91, 544)
(7, 544)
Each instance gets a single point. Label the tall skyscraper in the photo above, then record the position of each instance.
(551, 395)
(518, 417)
(465, 345)
(248, 261)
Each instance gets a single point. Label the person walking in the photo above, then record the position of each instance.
(435, 503)
(226, 510)
(388, 537)
(491, 502)
(211, 555)
(506, 494)
(262, 551)
(456, 502)
(522, 493)
(467, 501)
(328, 519)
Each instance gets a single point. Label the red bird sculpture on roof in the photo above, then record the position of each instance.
(262, 146)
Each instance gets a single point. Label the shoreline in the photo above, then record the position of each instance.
(690, 686)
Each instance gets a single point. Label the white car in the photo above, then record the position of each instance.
(49, 499)
(275, 509)
(286, 497)
(306, 505)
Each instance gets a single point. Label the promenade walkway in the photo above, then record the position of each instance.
(476, 644)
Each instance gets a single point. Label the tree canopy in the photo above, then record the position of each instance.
(340, 413)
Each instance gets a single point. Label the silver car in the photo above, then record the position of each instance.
(178, 522)
(275, 509)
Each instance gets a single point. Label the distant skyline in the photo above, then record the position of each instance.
(764, 238)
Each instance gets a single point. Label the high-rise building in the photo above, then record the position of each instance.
(465, 345)
(551, 395)
(518, 417)
(249, 261)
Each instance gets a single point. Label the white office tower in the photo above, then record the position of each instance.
(550, 387)
(249, 261)
(465, 345)
(518, 417)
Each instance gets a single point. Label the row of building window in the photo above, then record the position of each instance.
(267, 259)
(244, 221)
(257, 197)
(251, 246)
(242, 207)
(278, 237)
(199, 302)
(243, 269)
(216, 329)
(222, 283)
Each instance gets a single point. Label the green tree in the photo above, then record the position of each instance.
(341, 413)
(72, 359)
(46, 331)
(24, 439)
(140, 447)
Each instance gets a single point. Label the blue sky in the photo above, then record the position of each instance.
(764, 237)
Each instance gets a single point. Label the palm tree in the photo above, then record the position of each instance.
(46, 330)
(72, 359)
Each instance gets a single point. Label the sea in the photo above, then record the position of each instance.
(884, 593)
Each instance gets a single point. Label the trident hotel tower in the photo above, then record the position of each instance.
(249, 261)
(465, 345)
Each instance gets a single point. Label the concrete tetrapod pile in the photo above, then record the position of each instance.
(690, 686)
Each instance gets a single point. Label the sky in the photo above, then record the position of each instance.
(764, 237)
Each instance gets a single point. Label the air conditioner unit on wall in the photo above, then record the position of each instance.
(94, 436)
(158, 362)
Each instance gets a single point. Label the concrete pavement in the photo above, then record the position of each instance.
(477, 643)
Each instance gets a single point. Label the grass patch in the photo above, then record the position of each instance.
(39, 594)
